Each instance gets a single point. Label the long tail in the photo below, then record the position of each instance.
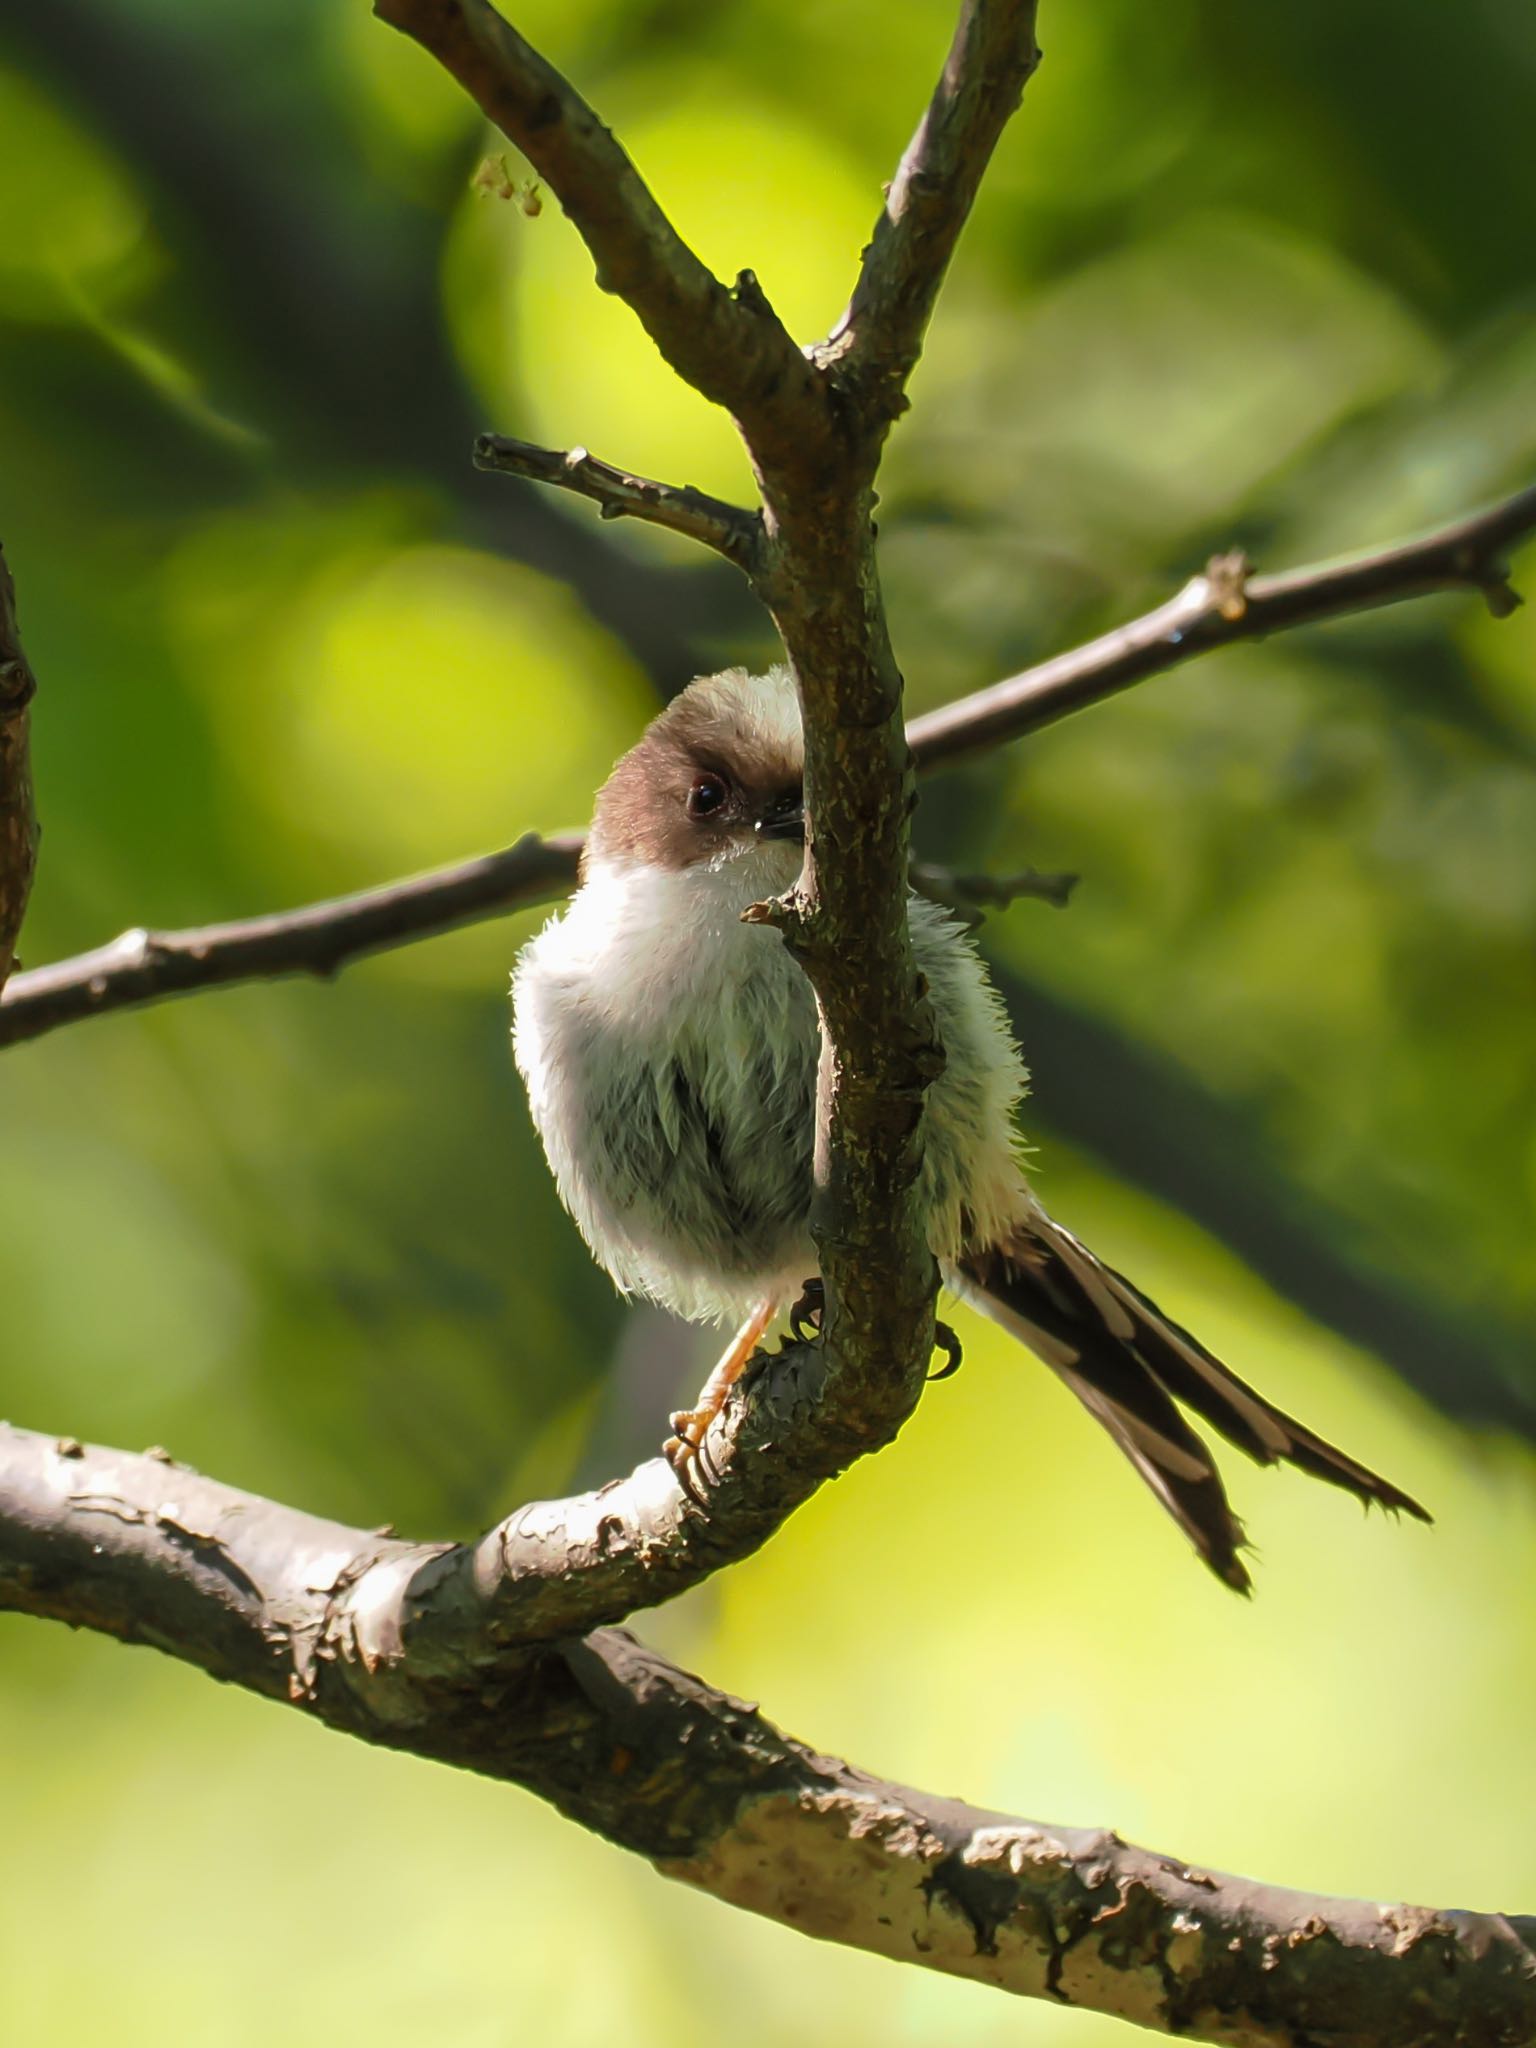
(1128, 1364)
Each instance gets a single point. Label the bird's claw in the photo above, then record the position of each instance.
(684, 1451)
(805, 1316)
(945, 1340)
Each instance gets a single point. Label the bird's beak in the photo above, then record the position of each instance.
(785, 821)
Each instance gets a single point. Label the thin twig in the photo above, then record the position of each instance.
(323, 937)
(364, 1633)
(18, 816)
(1223, 606)
(144, 966)
(729, 529)
(971, 895)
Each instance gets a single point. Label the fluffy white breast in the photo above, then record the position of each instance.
(669, 1054)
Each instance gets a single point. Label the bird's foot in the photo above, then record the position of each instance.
(684, 1451)
(945, 1340)
(805, 1316)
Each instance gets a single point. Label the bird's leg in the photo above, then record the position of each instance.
(684, 1449)
(945, 1340)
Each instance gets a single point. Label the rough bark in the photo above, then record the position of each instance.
(348, 1627)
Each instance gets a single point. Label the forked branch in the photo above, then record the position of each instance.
(815, 456)
(727, 343)
(484, 1655)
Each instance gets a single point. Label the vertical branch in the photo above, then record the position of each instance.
(813, 425)
(18, 817)
(847, 924)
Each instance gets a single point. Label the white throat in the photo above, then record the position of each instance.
(660, 943)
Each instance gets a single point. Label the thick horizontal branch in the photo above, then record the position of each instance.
(18, 818)
(876, 344)
(1222, 606)
(727, 344)
(330, 1620)
(551, 1569)
(1213, 610)
(729, 529)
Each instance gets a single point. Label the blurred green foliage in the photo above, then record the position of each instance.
(1241, 274)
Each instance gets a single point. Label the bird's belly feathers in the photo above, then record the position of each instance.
(671, 1070)
(677, 1109)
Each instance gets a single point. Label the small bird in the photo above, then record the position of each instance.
(670, 1053)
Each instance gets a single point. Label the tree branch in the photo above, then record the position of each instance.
(971, 896)
(339, 1624)
(18, 817)
(815, 462)
(876, 344)
(144, 967)
(1226, 604)
(729, 345)
(478, 1655)
(730, 530)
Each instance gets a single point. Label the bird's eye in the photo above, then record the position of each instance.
(706, 796)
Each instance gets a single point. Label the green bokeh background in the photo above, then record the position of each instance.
(1242, 274)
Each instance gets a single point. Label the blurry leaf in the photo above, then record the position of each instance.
(1245, 275)
(406, 704)
(1174, 375)
(69, 215)
(400, 106)
(170, 379)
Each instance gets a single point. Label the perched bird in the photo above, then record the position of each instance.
(670, 1053)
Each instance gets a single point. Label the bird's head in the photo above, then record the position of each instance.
(714, 784)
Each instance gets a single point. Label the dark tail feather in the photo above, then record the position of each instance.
(1127, 1363)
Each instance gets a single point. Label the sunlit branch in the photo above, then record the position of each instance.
(875, 345)
(729, 529)
(1215, 609)
(371, 1636)
(18, 818)
(726, 343)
